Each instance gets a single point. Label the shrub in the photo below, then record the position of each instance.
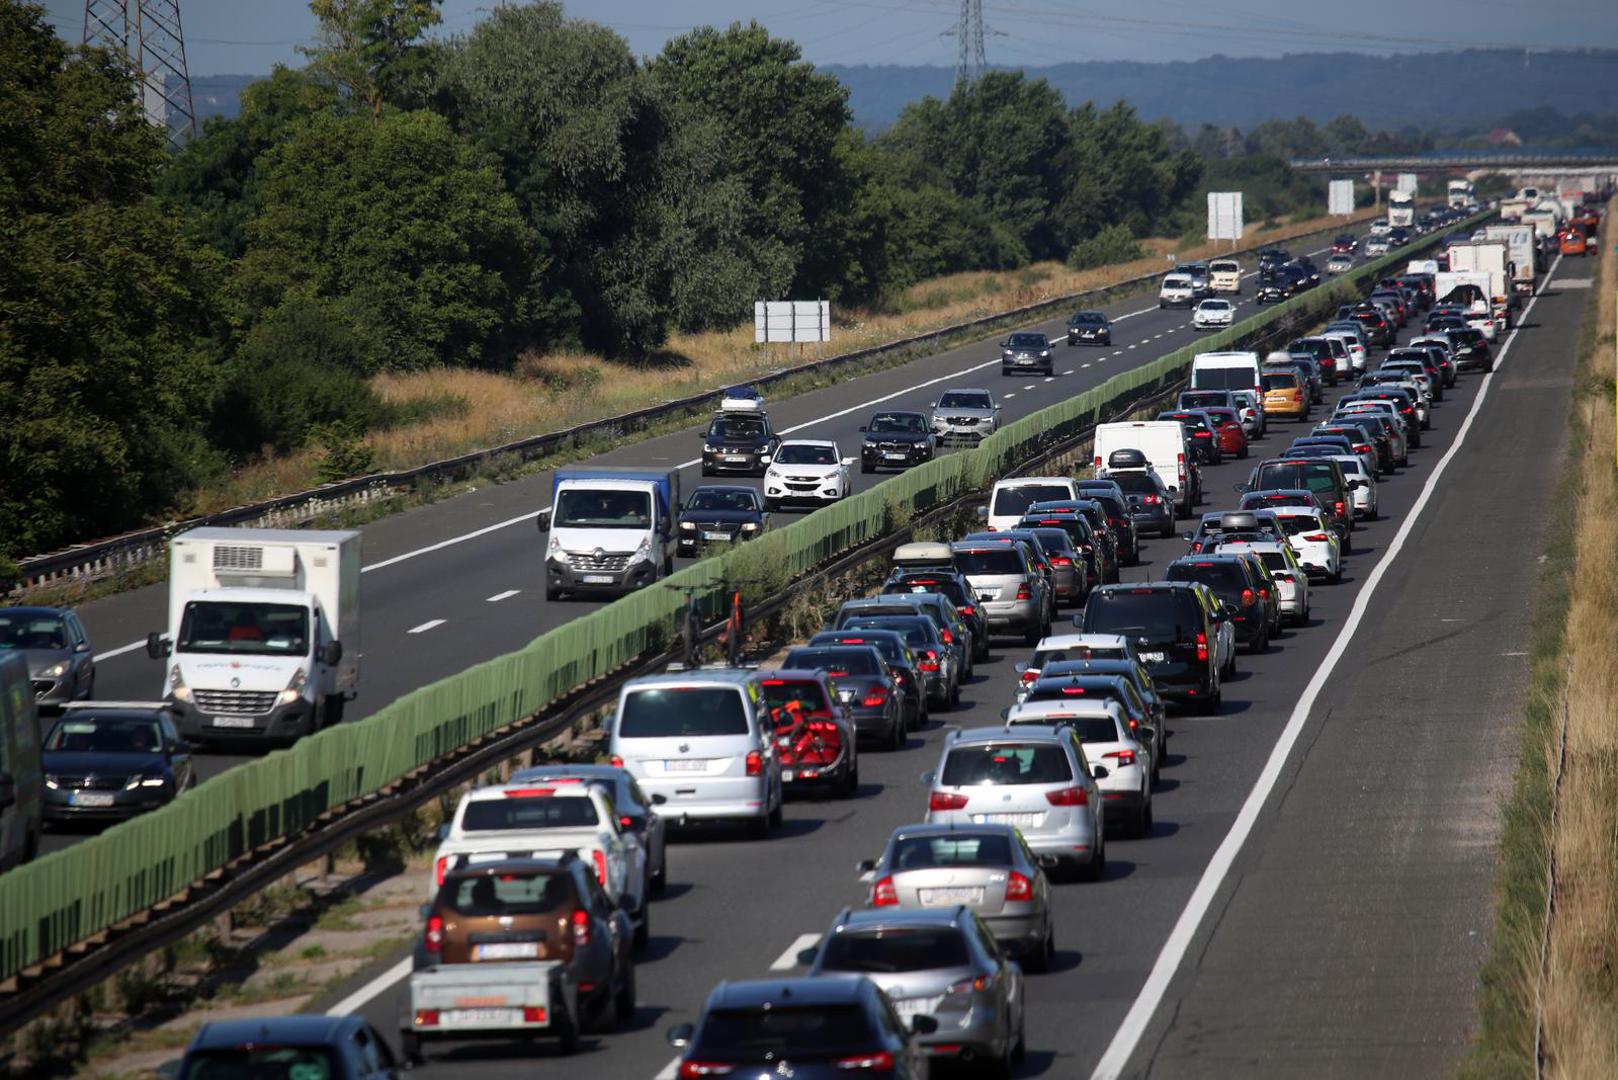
(1114, 244)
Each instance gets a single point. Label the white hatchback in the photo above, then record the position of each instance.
(1362, 498)
(1212, 314)
(1291, 579)
(1314, 541)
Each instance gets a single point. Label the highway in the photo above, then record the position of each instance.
(452, 584)
(1314, 898)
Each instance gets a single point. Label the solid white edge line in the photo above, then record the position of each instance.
(789, 959)
(669, 1071)
(1122, 1048)
(361, 997)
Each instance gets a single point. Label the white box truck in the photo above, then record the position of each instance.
(1163, 444)
(1519, 241)
(1401, 209)
(263, 635)
(1489, 257)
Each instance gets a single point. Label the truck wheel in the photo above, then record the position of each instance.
(333, 713)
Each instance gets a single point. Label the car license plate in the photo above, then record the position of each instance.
(233, 721)
(736, 459)
(915, 1006)
(479, 1018)
(1008, 819)
(1151, 657)
(597, 579)
(945, 897)
(893, 457)
(787, 776)
(685, 765)
(507, 950)
(845, 695)
(90, 798)
(715, 536)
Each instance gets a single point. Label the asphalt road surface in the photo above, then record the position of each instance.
(1334, 925)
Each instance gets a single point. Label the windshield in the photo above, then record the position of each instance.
(105, 735)
(737, 427)
(1214, 305)
(1006, 763)
(723, 500)
(210, 626)
(996, 560)
(1087, 318)
(963, 399)
(535, 811)
(1026, 341)
(814, 1031)
(1280, 380)
(805, 454)
(581, 508)
(1224, 267)
(32, 632)
(906, 422)
(1013, 501)
(260, 1063)
(682, 711)
(1141, 613)
(1177, 281)
(854, 660)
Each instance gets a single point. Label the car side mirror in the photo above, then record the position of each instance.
(156, 647)
(331, 653)
(8, 791)
(1241, 489)
(679, 1035)
(659, 800)
(543, 520)
(806, 957)
(1019, 668)
(1047, 862)
(1100, 772)
(864, 428)
(848, 461)
(922, 1024)
(1148, 733)
(1355, 485)
(425, 910)
(927, 777)
(1188, 536)
(865, 866)
(179, 747)
(83, 646)
(443, 831)
(983, 511)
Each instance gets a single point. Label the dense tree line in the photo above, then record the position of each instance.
(402, 202)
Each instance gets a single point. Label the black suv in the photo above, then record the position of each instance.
(1231, 579)
(955, 588)
(1089, 328)
(1174, 627)
(1322, 478)
(896, 440)
(720, 513)
(739, 443)
(1116, 504)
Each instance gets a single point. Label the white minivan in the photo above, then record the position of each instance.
(1163, 442)
(701, 739)
(1178, 291)
(1011, 497)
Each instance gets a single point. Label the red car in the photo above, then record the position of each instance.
(1228, 428)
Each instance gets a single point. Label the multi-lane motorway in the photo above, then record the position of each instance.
(1314, 898)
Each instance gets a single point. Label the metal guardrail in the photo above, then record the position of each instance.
(95, 560)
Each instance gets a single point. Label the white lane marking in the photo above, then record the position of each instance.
(1011, 394)
(789, 959)
(1084, 365)
(499, 596)
(1069, 371)
(1052, 378)
(669, 1071)
(1128, 1036)
(1030, 386)
(426, 626)
(1134, 346)
(356, 1001)
(119, 651)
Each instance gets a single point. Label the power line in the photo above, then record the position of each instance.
(147, 34)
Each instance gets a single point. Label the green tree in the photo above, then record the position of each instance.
(1127, 173)
(372, 49)
(405, 224)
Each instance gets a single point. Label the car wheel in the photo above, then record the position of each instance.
(552, 594)
(771, 506)
(567, 1033)
(1039, 960)
(896, 736)
(1209, 706)
(778, 814)
(955, 695)
(1337, 575)
(1143, 820)
(866, 469)
(1097, 866)
(624, 1001)
(707, 470)
(660, 879)
(759, 828)
(643, 928)
(851, 780)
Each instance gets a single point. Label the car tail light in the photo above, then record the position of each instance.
(930, 663)
(883, 894)
(947, 635)
(1123, 757)
(533, 1014)
(967, 609)
(625, 822)
(946, 800)
(529, 792)
(440, 868)
(1341, 510)
(1264, 594)
(879, 1061)
(599, 857)
(1018, 887)
(1030, 676)
(755, 763)
(1179, 462)
(1202, 647)
(1024, 592)
(426, 1017)
(433, 939)
(1061, 560)
(1072, 796)
(1247, 598)
(878, 695)
(581, 928)
(1317, 538)
(1151, 500)
(615, 761)
(691, 1070)
(1098, 464)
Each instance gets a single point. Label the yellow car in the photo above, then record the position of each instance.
(1284, 394)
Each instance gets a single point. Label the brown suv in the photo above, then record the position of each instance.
(536, 910)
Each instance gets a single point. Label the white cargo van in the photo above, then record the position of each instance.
(1178, 291)
(1227, 371)
(1012, 497)
(1164, 444)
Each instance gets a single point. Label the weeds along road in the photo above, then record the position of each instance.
(1343, 935)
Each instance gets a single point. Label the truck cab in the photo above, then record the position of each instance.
(263, 634)
(609, 531)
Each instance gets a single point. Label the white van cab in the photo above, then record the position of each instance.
(1163, 443)
(1177, 291)
(702, 739)
(1012, 497)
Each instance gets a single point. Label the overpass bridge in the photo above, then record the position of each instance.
(1510, 161)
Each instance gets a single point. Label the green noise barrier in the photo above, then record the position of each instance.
(69, 896)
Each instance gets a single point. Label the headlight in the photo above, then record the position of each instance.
(688, 526)
(294, 688)
(644, 550)
(177, 688)
(764, 459)
(749, 526)
(144, 781)
(832, 476)
(706, 449)
(1044, 353)
(50, 782)
(55, 671)
(554, 550)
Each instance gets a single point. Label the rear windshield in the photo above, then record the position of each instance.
(1009, 501)
(510, 894)
(995, 560)
(1135, 483)
(260, 1063)
(1223, 577)
(1090, 729)
(956, 849)
(917, 629)
(946, 587)
(1195, 399)
(1294, 524)
(1148, 612)
(1275, 560)
(1222, 378)
(854, 660)
(883, 644)
(680, 712)
(1006, 763)
(1054, 539)
(813, 1031)
(1280, 380)
(1317, 478)
(886, 952)
(527, 812)
(806, 692)
(1044, 658)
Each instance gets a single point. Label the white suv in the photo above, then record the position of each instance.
(806, 470)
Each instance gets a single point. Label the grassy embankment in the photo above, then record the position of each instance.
(1563, 810)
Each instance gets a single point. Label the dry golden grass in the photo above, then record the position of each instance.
(1581, 985)
(561, 390)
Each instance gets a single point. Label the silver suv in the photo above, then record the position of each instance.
(964, 417)
(701, 741)
(1016, 598)
(1035, 778)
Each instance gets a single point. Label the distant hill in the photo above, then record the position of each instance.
(1445, 90)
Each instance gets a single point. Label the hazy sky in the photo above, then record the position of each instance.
(247, 36)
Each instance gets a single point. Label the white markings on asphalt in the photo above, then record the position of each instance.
(1514, 653)
(789, 959)
(1052, 378)
(669, 1071)
(1128, 1036)
(1012, 394)
(1069, 371)
(1084, 365)
(119, 651)
(499, 596)
(356, 1001)
(426, 626)
(1134, 346)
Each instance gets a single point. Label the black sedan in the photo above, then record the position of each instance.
(1274, 291)
(1026, 351)
(1089, 328)
(720, 513)
(106, 762)
(896, 440)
